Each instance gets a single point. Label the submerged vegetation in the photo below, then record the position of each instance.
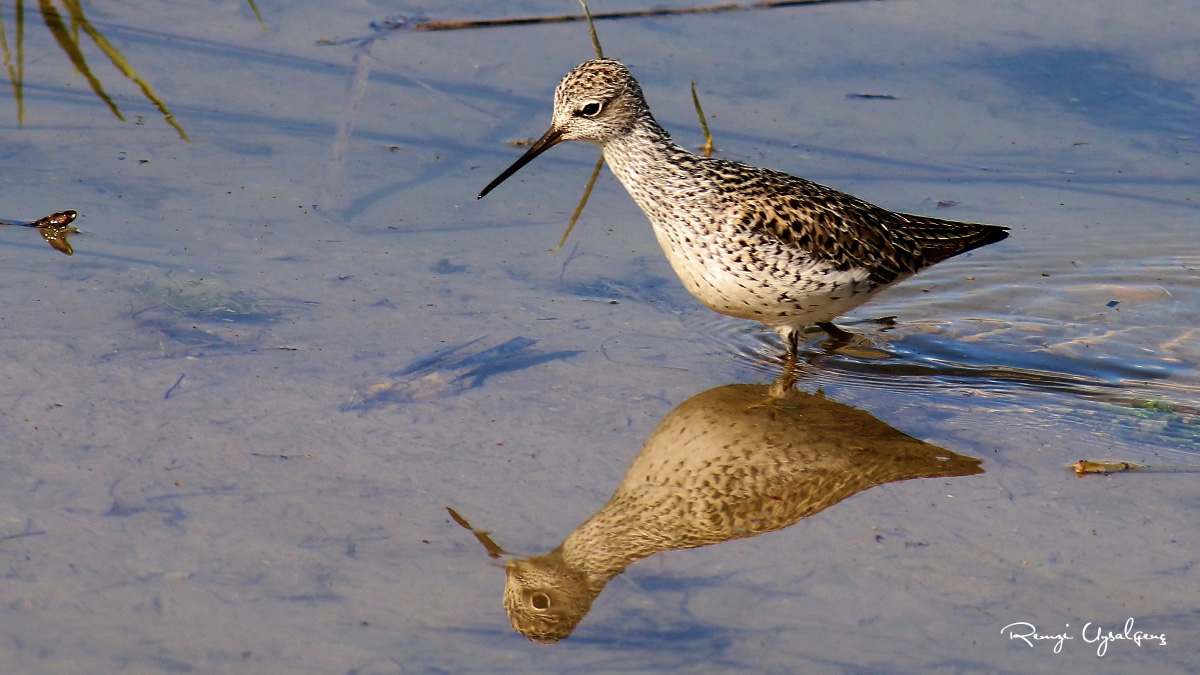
(201, 300)
(204, 317)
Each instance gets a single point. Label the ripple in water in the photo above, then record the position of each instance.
(1118, 346)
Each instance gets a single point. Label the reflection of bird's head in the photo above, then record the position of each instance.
(545, 599)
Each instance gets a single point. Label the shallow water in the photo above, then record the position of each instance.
(234, 418)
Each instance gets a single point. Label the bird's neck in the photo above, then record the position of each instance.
(611, 540)
(652, 167)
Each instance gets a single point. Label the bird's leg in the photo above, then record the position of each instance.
(787, 378)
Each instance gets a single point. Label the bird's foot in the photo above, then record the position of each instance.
(888, 322)
(838, 338)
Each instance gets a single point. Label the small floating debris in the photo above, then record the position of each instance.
(54, 228)
(1085, 466)
(878, 97)
(1106, 467)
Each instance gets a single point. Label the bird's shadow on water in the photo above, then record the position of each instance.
(453, 370)
(637, 281)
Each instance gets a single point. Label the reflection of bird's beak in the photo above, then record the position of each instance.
(547, 141)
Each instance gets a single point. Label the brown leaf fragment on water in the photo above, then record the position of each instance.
(1086, 466)
(1105, 467)
(493, 550)
(54, 228)
(58, 240)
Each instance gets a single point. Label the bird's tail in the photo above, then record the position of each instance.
(942, 239)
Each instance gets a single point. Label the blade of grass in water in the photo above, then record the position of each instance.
(121, 64)
(708, 146)
(58, 29)
(426, 25)
(587, 191)
(592, 30)
(257, 14)
(16, 74)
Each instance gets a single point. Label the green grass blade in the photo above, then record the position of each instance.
(257, 14)
(708, 145)
(121, 64)
(587, 193)
(16, 72)
(595, 42)
(62, 35)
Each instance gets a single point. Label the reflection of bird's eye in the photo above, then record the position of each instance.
(590, 110)
(540, 601)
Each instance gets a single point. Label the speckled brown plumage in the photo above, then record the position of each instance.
(748, 242)
(719, 467)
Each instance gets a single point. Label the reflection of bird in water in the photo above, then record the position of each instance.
(719, 467)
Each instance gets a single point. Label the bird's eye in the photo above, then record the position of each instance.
(590, 110)
(540, 601)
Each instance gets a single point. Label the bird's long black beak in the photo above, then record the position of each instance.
(547, 141)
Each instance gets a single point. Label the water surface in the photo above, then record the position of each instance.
(233, 419)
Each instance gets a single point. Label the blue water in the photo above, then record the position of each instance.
(233, 419)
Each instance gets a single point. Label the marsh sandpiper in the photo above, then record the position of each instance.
(748, 242)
